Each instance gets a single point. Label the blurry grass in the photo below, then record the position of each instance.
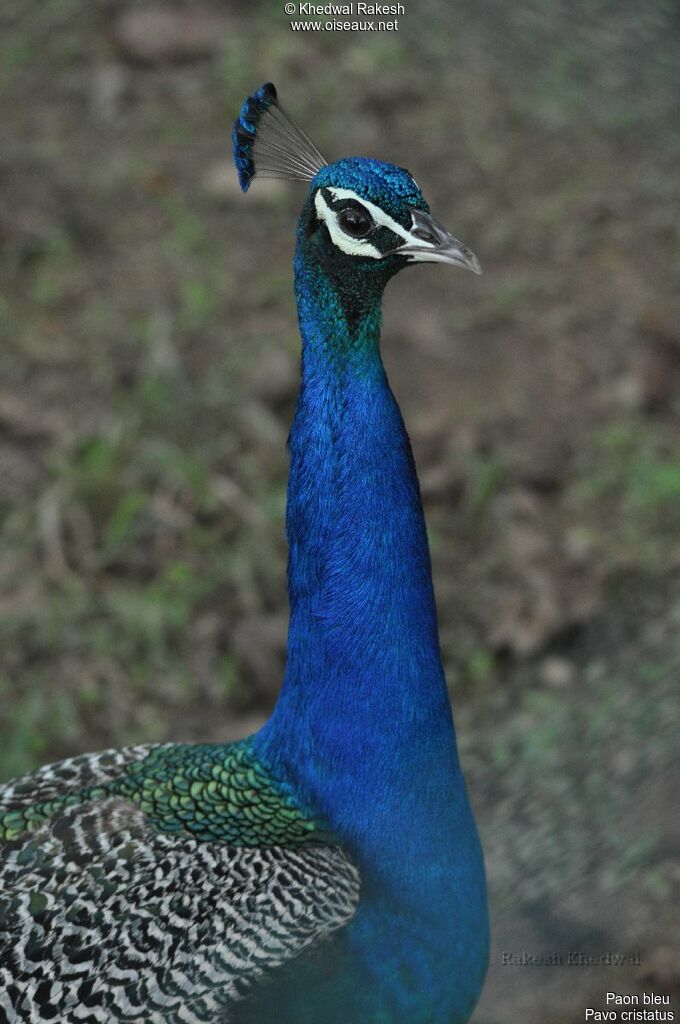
(479, 667)
(645, 469)
(485, 475)
(35, 723)
(573, 815)
(141, 533)
(636, 476)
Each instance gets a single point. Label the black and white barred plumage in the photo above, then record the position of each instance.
(105, 918)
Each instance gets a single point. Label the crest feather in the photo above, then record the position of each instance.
(268, 142)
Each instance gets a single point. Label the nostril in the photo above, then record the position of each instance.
(425, 235)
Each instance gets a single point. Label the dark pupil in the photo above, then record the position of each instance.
(356, 223)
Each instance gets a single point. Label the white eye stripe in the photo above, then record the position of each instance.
(381, 218)
(355, 246)
(350, 246)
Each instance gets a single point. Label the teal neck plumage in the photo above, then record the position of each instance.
(363, 658)
(363, 727)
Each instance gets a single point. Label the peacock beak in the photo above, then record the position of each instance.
(429, 242)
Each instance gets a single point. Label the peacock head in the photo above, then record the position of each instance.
(363, 219)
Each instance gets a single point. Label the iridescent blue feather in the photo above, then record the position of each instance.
(267, 142)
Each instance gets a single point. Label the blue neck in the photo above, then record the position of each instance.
(363, 728)
(364, 671)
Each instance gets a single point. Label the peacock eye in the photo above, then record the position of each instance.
(355, 222)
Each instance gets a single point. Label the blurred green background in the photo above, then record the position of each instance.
(148, 365)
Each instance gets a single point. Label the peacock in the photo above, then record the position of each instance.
(327, 869)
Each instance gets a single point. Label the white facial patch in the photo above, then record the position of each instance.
(356, 246)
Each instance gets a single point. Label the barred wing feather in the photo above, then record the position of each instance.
(103, 918)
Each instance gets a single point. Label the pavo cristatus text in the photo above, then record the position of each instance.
(326, 870)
